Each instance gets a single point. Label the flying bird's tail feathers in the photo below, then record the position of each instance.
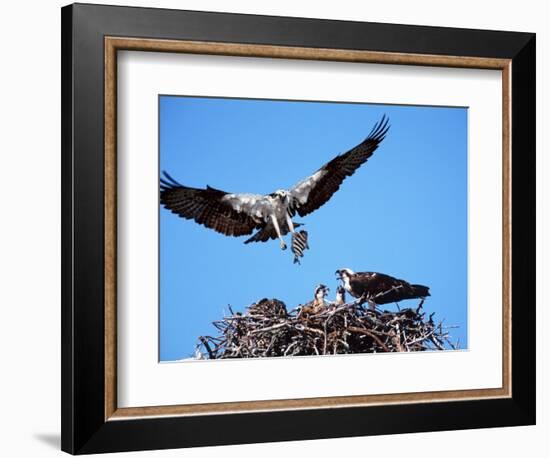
(268, 232)
(262, 236)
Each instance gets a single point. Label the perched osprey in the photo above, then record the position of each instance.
(376, 288)
(271, 214)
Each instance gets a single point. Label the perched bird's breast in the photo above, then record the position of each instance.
(347, 285)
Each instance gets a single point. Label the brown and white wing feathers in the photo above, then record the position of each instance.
(315, 190)
(209, 207)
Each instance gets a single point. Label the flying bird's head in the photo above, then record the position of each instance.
(281, 195)
(342, 274)
(321, 291)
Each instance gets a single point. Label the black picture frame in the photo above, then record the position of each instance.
(84, 427)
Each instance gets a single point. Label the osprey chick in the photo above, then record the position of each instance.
(376, 288)
(340, 295)
(241, 214)
(318, 303)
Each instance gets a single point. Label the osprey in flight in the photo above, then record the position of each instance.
(240, 214)
(376, 288)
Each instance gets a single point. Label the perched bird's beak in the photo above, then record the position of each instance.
(338, 274)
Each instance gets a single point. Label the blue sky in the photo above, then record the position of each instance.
(403, 213)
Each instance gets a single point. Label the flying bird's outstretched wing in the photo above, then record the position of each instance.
(225, 213)
(314, 191)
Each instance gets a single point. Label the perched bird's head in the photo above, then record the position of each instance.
(342, 274)
(321, 291)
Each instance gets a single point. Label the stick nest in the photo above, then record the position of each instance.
(267, 329)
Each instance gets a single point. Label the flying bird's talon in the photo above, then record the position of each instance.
(283, 246)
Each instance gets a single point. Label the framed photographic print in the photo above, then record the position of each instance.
(271, 222)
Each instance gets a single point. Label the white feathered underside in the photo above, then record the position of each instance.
(255, 205)
(260, 207)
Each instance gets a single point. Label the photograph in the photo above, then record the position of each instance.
(310, 228)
